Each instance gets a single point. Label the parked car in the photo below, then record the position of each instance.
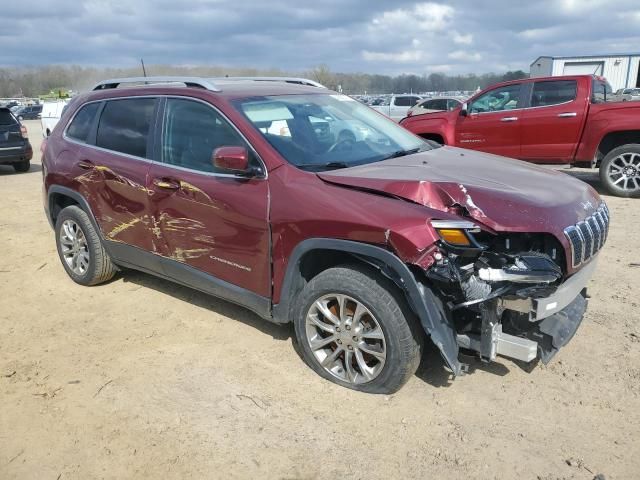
(554, 120)
(397, 106)
(15, 148)
(624, 95)
(30, 112)
(50, 115)
(436, 104)
(367, 247)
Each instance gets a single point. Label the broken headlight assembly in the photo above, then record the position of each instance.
(457, 233)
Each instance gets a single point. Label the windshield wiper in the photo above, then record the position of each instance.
(324, 166)
(402, 153)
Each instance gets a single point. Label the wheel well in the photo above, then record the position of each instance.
(434, 137)
(615, 139)
(315, 262)
(58, 201)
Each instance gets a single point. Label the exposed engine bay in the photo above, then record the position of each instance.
(506, 295)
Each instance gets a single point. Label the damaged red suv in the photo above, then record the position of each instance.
(308, 207)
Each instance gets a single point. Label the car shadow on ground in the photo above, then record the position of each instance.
(8, 170)
(432, 369)
(208, 302)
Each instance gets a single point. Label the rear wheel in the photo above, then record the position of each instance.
(80, 248)
(354, 329)
(620, 171)
(22, 167)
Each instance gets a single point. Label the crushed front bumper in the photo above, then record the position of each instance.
(540, 328)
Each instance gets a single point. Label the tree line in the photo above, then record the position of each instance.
(41, 80)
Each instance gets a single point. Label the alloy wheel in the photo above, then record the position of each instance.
(624, 171)
(345, 338)
(75, 249)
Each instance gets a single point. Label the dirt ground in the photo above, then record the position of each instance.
(140, 378)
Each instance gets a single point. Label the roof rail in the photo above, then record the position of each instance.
(296, 80)
(196, 82)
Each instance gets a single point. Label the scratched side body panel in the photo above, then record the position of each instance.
(218, 225)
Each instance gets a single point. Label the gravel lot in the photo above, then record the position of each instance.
(140, 378)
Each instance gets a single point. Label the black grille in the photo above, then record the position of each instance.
(588, 237)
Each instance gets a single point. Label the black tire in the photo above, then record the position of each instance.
(22, 167)
(403, 336)
(100, 267)
(608, 179)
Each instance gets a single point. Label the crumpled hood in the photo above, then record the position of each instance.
(501, 193)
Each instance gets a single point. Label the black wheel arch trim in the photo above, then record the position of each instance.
(68, 192)
(421, 299)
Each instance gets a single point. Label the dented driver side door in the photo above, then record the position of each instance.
(208, 220)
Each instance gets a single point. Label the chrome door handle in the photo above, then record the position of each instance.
(567, 114)
(509, 119)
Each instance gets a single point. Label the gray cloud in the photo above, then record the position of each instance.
(348, 35)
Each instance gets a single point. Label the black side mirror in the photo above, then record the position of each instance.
(464, 110)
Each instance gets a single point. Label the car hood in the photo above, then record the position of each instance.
(501, 193)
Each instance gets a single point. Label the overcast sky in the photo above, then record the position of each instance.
(348, 35)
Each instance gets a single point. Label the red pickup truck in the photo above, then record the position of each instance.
(553, 120)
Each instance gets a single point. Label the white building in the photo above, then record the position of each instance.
(620, 70)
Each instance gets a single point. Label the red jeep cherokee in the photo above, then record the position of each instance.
(308, 207)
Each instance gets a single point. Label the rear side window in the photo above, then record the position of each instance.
(553, 92)
(124, 126)
(81, 124)
(6, 118)
(601, 90)
(406, 101)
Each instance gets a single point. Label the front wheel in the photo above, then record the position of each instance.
(620, 171)
(356, 330)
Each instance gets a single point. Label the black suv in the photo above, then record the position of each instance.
(15, 148)
(31, 112)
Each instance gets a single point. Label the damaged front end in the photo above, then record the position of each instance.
(505, 294)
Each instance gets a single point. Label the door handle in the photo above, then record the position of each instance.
(509, 119)
(567, 114)
(166, 183)
(86, 164)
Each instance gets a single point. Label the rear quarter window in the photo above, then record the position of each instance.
(80, 126)
(6, 118)
(124, 126)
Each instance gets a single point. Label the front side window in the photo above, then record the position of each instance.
(553, 92)
(124, 125)
(324, 131)
(81, 124)
(499, 99)
(192, 131)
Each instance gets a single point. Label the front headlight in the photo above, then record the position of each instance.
(455, 232)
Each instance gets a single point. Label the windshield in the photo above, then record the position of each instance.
(320, 132)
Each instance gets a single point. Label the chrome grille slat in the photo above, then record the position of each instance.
(589, 236)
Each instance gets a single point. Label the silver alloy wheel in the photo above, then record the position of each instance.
(624, 171)
(346, 338)
(73, 244)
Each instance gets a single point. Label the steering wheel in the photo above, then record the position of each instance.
(345, 142)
